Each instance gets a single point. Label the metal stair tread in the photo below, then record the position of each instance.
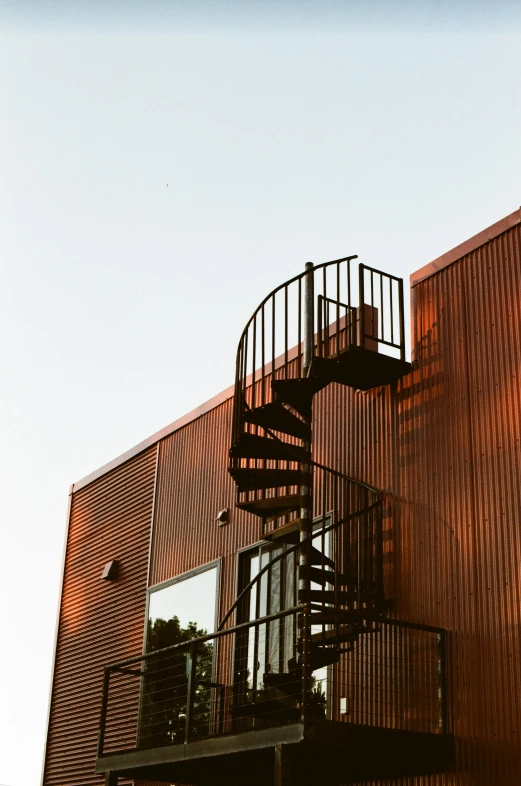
(272, 507)
(332, 615)
(255, 446)
(330, 596)
(335, 635)
(276, 417)
(323, 656)
(250, 479)
(323, 577)
(318, 558)
(287, 533)
(298, 393)
(360, 368)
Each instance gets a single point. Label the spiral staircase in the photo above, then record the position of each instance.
(325, 325)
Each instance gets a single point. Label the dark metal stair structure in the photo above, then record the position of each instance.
(358, 311)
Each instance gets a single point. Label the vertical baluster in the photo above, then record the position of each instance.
(263, 374)
(337, 331)
(351, 326)
(273, 307)
(391, 309)
(378, 515)
(402, 328)
(319, 326)
(245, 364)
(361, 307)
(299, 340)
(257, 634)
(382, 326)
(323, 544)
(358, 563)
(442, 682)
(103, 715)
(326, 320)
(253, 361)
(286, 332)
(190, 691)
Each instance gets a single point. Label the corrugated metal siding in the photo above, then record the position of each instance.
(445, 443)
(100, 621)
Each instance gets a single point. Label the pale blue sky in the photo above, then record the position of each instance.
(163, 166)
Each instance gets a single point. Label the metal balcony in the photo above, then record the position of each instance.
(204, 712)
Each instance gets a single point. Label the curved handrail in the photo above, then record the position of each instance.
(356, 481)
(287, 284)
(284, 318)
(320, 533)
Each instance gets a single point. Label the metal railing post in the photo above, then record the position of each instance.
(306, 505)
(402, 319)
(442, 681)
(103, 714)
(191, 657)
(361, 306)
(308, 317)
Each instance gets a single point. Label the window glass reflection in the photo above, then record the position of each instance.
(182, 611)
(178, 613)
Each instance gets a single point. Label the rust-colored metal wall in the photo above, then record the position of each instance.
(100, 621)
(445, 444)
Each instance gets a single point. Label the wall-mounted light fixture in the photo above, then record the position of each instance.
(222, 517)
(111, 570)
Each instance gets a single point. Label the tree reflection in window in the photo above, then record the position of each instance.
(191, 603)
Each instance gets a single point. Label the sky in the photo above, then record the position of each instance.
(163, 166)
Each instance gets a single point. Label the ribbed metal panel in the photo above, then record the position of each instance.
(193, 486)
(445, 445)
(100, 621)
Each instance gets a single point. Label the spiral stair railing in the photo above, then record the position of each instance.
(328, 324)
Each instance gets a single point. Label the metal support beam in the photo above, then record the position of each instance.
(306, 507)
(282, 769)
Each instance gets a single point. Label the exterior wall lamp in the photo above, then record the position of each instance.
(222, 517)
(111, 571)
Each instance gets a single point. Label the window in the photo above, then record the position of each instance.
(271, 648)
(178, 611)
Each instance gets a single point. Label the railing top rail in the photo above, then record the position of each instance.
(380, 272)
(184, 645)
(287, 283)
(351, 480)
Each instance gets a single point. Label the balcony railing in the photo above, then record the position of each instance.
(392, 676)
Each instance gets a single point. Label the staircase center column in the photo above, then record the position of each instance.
(306, 506)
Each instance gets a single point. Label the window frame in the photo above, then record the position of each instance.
(216, 563)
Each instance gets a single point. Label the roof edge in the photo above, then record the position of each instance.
(198, 412)
(213, 402)
(466, 247)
